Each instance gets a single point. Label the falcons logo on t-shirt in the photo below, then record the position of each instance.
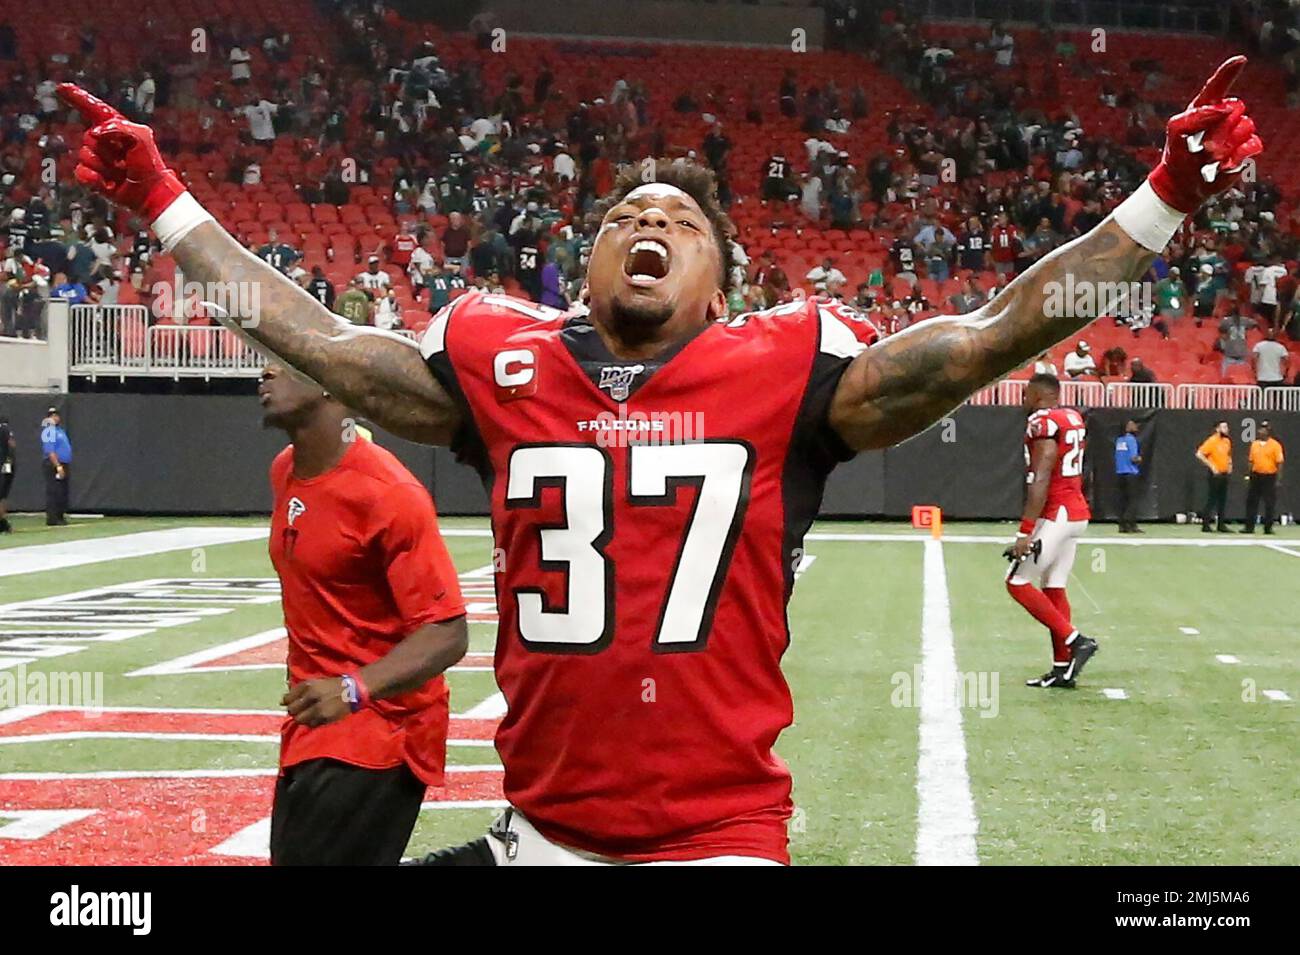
(295, 510)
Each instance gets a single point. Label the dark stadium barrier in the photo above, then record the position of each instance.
(190, 454)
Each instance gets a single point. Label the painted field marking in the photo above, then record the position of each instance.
(1278, 696)
(493, 707)
(29, 824)
(946, 824)
(1226, 658)
(191, 662)
(36, 558)
(1190, 631)
(1112, 693)
(254, 841)
(1284, 550)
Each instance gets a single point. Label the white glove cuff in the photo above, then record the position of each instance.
(178, 219)
(1148, 219)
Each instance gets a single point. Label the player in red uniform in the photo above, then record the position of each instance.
(644, 584)
(1055, 516)
(374, 615)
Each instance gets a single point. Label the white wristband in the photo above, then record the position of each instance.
(1148, 219)
(176, 221)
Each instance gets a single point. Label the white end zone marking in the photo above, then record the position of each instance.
(1190, 631)
(805, 561)
(251, 842)
(191, 662)
(946, 824)
(1284, 550)
(1226, 658)
(1112, 693)
(254, 842)
(492, 708)
(1277, 696)
(28, 824)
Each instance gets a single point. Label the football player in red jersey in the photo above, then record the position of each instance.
(643, 596)
(373, 611)
(1055, 516)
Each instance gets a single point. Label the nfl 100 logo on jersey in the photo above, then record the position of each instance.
(618, 379)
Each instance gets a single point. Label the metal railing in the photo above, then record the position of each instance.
(117, 340)
(1237, 398)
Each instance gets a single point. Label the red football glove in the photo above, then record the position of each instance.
(119, 159)
(1207, 144)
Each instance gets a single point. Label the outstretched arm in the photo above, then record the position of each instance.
(902, 385)
(378, 374)
(899, 387)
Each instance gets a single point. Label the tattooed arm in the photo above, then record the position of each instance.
(902, 385)
(376, 373)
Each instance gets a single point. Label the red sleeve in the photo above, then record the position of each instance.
(421, 576)
(1042, 426)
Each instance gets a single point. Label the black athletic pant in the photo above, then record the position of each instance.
(56, 493)
(1263, 488)
(332, 813)
(1217, 501)
(1128, 492)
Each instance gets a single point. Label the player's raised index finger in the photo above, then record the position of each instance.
(90, 106)
(1217, 86)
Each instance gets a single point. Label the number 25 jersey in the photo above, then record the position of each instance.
(648, 517)
(1065, 426)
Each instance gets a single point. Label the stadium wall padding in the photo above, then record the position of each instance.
(191, 454)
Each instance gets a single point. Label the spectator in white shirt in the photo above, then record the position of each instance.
(564, 166)
(259, 115)
(145, 94)
(1080, 362)
(240, 71)
(1270, 360)
(1262, 280)
(826, 277)
(374, 278)
(388, 311)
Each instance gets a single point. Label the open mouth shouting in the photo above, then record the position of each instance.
(647, 262)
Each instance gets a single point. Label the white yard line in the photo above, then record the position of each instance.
(35, 558)
(946, 824)
(1277, 696)
(180, 737)
(1114, 694)
(1284, 550)
(1004, 538)
(1190, 631)
(1226, 658)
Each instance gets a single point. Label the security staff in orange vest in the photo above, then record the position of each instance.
(1266, 460)
(1215, 453)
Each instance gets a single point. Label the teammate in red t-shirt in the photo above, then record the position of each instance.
(374, 615)
(1055, 516)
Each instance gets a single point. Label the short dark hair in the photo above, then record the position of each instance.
(696, 181)
(1046, 380)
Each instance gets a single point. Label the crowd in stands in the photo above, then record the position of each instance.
(449, 172)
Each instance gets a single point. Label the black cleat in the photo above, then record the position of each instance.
(1084, 649)
(1056, 678)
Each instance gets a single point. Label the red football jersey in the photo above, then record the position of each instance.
(1064, 426)
(650, 514)
(402, 247)
(1005, 243)
(361, 566)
